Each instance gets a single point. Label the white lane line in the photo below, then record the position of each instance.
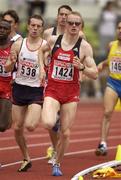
(48, 143)
(66, 154)
(77, 132)
(77, 125)
(32, 136)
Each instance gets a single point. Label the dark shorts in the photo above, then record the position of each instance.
(115, 85)
(25, 95)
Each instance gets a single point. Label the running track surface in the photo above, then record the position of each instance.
(80, 155)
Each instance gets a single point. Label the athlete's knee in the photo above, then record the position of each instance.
(108, 114)
(48, 125)
(5, 123)
(65, 134)
(30, 127)
(17, 127)
(2, 129)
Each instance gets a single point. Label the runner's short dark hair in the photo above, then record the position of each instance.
(13, 14)
(64, 6)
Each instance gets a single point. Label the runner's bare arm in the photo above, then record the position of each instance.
(86, 62)
(15, 48)
(90, 66)
(42, 60)
(104, 63)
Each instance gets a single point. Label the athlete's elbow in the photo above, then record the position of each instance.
(94, 74)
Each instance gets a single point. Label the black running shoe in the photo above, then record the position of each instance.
(25, 166)
(101, 150)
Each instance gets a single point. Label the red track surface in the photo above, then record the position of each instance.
(80, 155)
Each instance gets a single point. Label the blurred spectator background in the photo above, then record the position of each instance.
(106, 25)
(100, 17)
(36, 4)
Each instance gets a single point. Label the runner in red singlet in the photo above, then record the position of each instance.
(5, 78)
(57, 30)
(69, 55)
